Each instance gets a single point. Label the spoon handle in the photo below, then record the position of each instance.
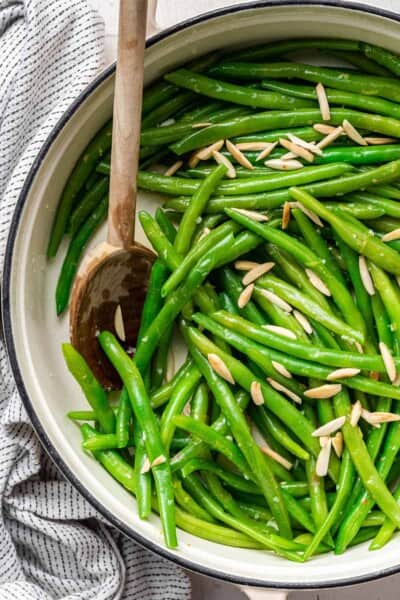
(126, 122)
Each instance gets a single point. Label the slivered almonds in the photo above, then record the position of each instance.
(353, 134)
(391, 235)
(323, 102)
(342, 373)
(246, 265)
(337, 443)
(119, 324)
(286, 215)
(159, 460)
(252, 214)
(170, 370)
(224, 160)
(297, 150)
(245, 295)
(256, 393)
(377, 418)
(193, 159)
(281, 369)
(266, 449)
(266, 151)
(327, 390)
(303, 321)
(206, 153)
(280, 331)
(366, 278)
(146, 466)
(283, 165)
(307, 145)
(173, 168)
(275, 299)
(322, 464)
(257, 271)
(331, 137)
(317, 282)
(220, 367)
(238, 155)
(282, 388)
(388, 361)
(203, 234)
(377, 141)
(323, 128)
(355, 414)
(309, 213)
(255, 146)
(330, 427)
(201, 125)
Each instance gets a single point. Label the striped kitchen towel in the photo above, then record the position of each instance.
(52, 543)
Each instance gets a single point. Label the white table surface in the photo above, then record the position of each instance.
(170, 12)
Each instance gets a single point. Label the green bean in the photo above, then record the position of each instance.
(200, 113)
(277, 315)
(233, 480)
(258, 513)
(74, 253)
(87, 205)
(186, 501)
(306, 133)
(143, 482)
(198, 202)
(214, 508)
(166, 110)
(359, 238)
(229, 92)
(131, 378)
(382, 321)
(322, 189)
(100, 144)
(180, 396)
(387, 529)
(245, 441)
(382, 56)
(200, 402)
(165, 225)
(389, 296)
(102, 441)
(340, 294)
(369, 85)
(94, 393)
(156, 95)
(350, 98)
(298, 513)
(284, 46)
(82, 415)
(362, 62)
(122, 422)
(160, 360)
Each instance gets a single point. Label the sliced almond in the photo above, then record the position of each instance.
(286, 215)
(238, 155)
(391, 235)
(201, 125)
(170, 369)
(255, 146)
(342, 373)
(355, 414)
(193, 159)
(307, 145)
(204, 233)
(266, 151)
(281, 369)
(359, 347)
(276, 457)
(256, 393)
(297, 150)
(337, 443)
(352, 133)
(119, 324)
(173, 168)
(303, 321)
(366, 278)
(280, 331)
(388, 361)
(322, 464)
(252, 214)
(317, 282)
(257, 272)
(329, 427)
(282, 388)
(206, 153)
(159, 460)
(245, 296)
(223, 160)
(367, 416)
(327, 390)
(323, 102)
(146, 466)
(330, 138)
(376, 418)
(187, 409)
(310, 214)
(220, 367)
(245, 265)
(323, 128)
(377, 141)
(275, 299)
(283, 165)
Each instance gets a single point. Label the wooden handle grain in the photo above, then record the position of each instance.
(126, 122)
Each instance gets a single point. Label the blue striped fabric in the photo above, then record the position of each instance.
(53, 545)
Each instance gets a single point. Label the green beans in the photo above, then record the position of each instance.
(87, 205)
(122, 424)
(369, 85)
(229, 92)
(100, 144)
(144, 414)
(382, 57)
(93, 391)
(74, 253)
(284, 46)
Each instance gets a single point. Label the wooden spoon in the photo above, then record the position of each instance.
(111, 286)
